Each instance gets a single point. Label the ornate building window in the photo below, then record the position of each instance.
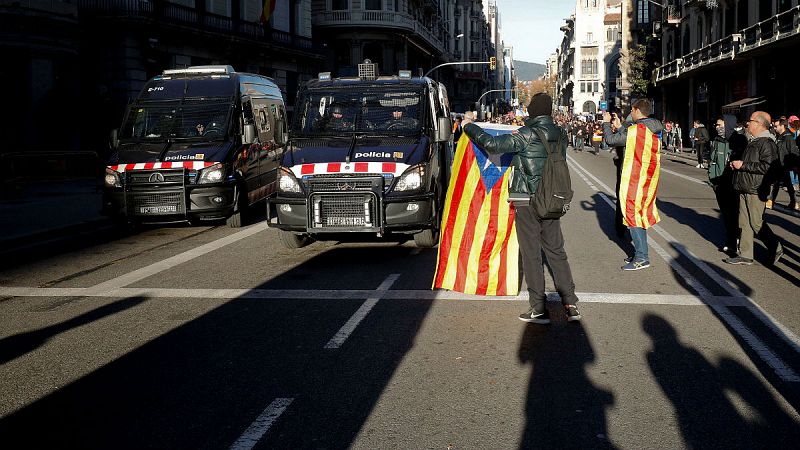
(338, 5)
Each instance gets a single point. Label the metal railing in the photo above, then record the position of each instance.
(380, 19)
(171, 13)
(779, 27)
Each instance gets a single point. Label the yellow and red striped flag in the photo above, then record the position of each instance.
(266, 12)
(478, 249)
(639, 180)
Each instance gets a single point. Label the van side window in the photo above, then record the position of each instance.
(263, 121)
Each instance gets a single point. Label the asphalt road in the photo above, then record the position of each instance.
(217, 338)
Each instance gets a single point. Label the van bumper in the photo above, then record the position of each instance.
(211, 202)
(401, 214)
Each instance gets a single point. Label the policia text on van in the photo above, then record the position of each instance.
(367, 156)
(198, 144)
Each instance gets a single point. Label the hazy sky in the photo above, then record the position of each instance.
(532, 26)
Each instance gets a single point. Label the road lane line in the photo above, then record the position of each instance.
(765, 353)
(262, 424)
(685, 177)
(347, 329)
(169, 263)
(356, 294)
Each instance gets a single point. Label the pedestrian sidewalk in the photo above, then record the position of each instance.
(45, 210)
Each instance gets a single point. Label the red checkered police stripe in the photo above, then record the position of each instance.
(191, 165)
(395, 169)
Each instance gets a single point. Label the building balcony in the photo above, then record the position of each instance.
(589, 43)
(170, 14)
(770, 31)
(702, 4)
(379, 19)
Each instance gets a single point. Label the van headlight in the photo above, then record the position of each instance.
(112, 178)
(287, 182)
(411, 180)
(211, 174)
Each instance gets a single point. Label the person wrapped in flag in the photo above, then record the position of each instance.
(641, 166)
(535, 234)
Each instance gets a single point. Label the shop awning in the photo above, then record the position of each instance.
(743, 103)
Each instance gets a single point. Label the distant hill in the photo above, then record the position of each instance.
(527, 71)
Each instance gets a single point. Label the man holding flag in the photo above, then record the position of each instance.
(639, 176)
(535, 234)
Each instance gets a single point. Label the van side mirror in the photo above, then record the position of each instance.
(249, 134)
(445, 132)
(113, 139)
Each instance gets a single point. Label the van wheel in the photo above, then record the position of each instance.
(292, 240)
(239, 217)
(430, 238)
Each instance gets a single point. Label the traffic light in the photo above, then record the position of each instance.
(492, 63)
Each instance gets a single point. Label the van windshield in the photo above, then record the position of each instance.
(395, 112)
(205, 119)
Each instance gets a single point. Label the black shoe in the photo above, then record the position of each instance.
(739, 261)
(573, 315)
(542, 318)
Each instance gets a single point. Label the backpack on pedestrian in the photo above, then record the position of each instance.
(554, 193)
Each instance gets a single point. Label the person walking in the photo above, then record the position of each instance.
(758, 158)
(701, 138)
(787, 154)
(640, 173)
(678, 138)
(535, 234)
(726, 146)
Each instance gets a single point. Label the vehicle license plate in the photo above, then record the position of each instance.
(158, 209)
(345, 221)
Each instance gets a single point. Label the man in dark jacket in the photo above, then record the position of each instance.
(701, 138)
(640, 112)
(727, 146)
(749, 182)
(534, 233)
(787, 152)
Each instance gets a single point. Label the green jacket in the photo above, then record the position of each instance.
(529, 152)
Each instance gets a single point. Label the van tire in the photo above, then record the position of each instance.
(293, 240)
(430, 238)
(239, 218)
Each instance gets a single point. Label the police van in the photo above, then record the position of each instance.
(368, 156)
(199, 144)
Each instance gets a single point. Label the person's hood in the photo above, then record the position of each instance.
(146, 152)
(652, 124)
(405, 150)
(538, 120)
(766, 134)
(730, 124)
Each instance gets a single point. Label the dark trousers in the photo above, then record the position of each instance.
(702, 153)
(728, 201)
(786, 180)
(536, 235)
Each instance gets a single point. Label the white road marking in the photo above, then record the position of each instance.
(262, 424)
(358, 294)
(169, 263)
(685, 177)
(761, 349)
(347, 329)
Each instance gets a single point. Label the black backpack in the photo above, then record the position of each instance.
(554, 194)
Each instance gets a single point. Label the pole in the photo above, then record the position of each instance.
(460, 63)
(478, 103)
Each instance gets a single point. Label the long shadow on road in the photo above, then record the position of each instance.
(202, 384)
(705, 394)
(564, 408)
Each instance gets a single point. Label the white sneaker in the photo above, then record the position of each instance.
(698, 166)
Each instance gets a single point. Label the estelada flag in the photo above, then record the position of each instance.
(478, 249)
(266, 12)
(639, 180)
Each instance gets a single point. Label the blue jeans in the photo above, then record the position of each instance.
(639, 237)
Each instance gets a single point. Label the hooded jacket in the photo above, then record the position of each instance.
(529, 152)
(787, 149)
(620, 138)
(758, 159)
(722, 149)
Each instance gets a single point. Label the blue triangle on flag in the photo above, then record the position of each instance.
(492, 166)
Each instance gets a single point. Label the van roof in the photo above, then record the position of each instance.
(358, 82)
